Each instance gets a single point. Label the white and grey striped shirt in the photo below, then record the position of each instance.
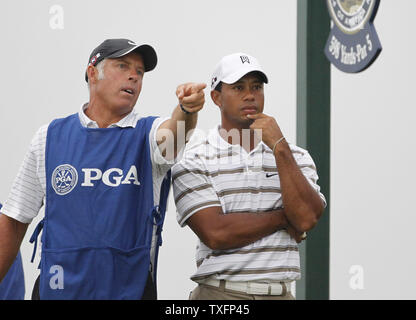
(28, 192)
(215, 173)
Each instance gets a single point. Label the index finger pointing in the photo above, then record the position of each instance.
(180, 92)
(199, 86)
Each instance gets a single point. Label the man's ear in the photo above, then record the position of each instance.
(216, 97)
(92, 73)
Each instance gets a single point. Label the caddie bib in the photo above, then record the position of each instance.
(99, 213)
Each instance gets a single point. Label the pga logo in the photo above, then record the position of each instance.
(112, 177)
(65, 177)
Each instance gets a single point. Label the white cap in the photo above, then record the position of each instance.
(233, 67)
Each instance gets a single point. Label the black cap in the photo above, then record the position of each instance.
(115, 48)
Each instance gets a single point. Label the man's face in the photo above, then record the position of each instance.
(120, 88)
(237, 100)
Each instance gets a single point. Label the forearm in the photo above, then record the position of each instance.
(303, 206)
(173, 133)
(11, 235)
(249, 227)
(187, 120)
(235, 230)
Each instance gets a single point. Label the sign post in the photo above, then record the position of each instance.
(350, 42)
(313, 134)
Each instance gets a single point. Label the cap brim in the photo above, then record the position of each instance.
(147, 52)
(232, 78)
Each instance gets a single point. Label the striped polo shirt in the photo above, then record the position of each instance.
(214, 173)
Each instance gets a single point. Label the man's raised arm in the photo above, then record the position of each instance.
(171, 135)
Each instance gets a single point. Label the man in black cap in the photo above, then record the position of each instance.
(104, 176)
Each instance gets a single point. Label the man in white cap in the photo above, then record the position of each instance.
(247, 193)
(104, 176)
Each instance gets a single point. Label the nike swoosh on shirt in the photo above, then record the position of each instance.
(268, 175)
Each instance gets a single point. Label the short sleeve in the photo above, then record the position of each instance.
(159, 164)
(27, 193)
(308, 168)
(192, 189)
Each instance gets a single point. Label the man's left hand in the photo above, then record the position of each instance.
(298, 236)
(191, 96)
(269, 128)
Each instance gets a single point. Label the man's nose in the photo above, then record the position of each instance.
(248, 95)
(133, 75)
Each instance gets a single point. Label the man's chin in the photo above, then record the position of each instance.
(128, 103)
(247, 122)
(124, 108)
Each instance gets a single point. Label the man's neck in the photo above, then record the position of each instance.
(104, 116)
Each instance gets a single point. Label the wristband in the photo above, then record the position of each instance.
(278, 141)
(184, 110)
